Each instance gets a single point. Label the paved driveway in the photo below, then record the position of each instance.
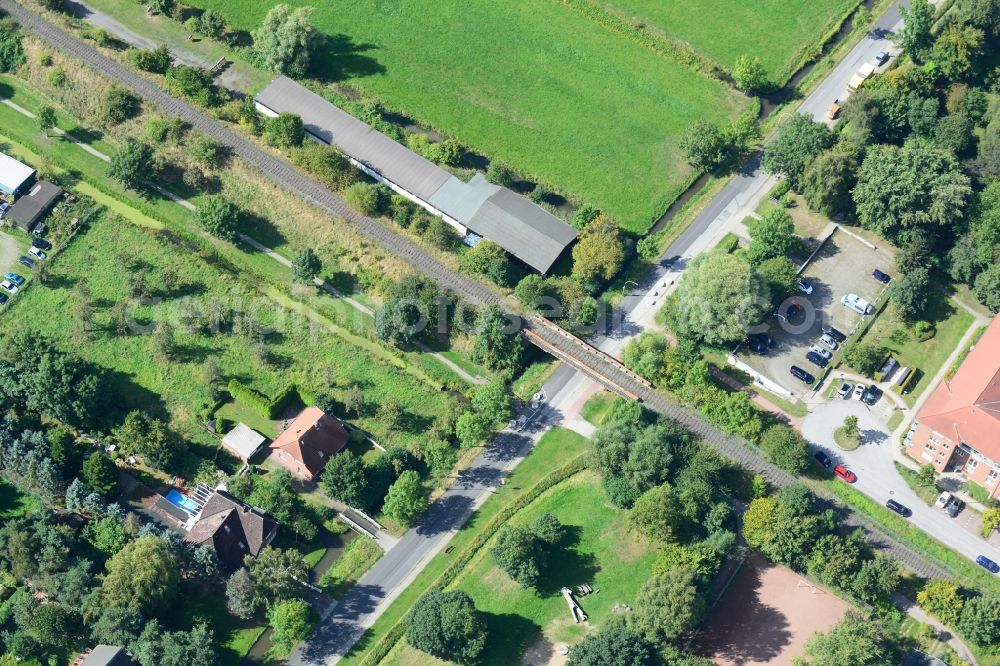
(877, 475)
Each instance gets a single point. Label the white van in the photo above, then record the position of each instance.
(856, 303)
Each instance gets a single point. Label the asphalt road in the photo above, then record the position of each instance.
(877, 475)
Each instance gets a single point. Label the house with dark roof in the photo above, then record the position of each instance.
(477, 209)
(232, 529)
(956, 429)
(28, 210)
(309, 442)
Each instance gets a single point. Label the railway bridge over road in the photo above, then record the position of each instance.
(578, 354)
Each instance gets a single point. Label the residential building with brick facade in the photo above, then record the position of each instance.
(958, 428)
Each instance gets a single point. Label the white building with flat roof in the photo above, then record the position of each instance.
(15, 177)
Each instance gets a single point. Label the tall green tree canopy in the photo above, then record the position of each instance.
(917, 186)
(718, 299)
(286, 40)
(447, 626)
(142, 576)
(916, 37)
(773, 235)
(854, 641)
(667, 607)
(799, 139)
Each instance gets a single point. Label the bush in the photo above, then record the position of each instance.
(501, 174)
(923, 331)
(326, 165)
(219, 216)
(366, 198)
(781, 189)
(118, 106)
(195, 84)
(157, 61)
(285, 131)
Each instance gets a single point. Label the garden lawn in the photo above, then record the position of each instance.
(358, 557)
(555, 449)
(602, 552)
(598, 407)
(951, 322)
(527, 82)
(297, 350)
(14, 503)
(778, 31)
(232, 637)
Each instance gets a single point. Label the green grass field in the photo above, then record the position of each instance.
(778, 31)
(298, 350)
(605, 554)
(951, 322)
(14, 503)
(531, 83)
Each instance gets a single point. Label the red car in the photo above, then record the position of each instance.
(845, 474)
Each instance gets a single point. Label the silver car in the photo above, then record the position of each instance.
(825, 353)
(828, 341)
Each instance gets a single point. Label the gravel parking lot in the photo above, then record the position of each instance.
(844, 265)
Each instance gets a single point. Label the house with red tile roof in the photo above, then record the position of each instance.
(306, 446)
(958, 428)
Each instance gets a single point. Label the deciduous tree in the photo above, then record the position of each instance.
(614, 646)
(448, 626)
(285, 40)
(749, 74)
(406, 499)
(143, 576)
(854, 641)
(667, 607)
(771, 236)
(132, 164)
(599, 251)
(291, 621)
(719, 298)
(800, 139)
(218, 216)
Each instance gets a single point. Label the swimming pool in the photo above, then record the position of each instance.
(184, 502)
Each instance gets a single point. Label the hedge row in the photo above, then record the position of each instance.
(269, 408)
(448, 576)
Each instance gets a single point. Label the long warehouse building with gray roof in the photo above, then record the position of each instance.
(527, 231)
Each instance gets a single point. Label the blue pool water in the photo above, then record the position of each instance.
(177, 499)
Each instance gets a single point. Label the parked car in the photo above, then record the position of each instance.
(898, 508)
(41, 244)
(880, 276)
(9, 287)
(754, 343)
(844, 474)
(859, 390)
(821, 351)
(805, 287)
(801, 374)
(792, 310)
(856, 303)
(881, 58)
(816, 359)
(823, 459)
(3, 299)
(3, 208)
(828, 340)
(845, 390)
(39, 230)
(834, 333)
(15, 278)
(834, 110)
(954, 507)
(943, 500)
(987, 564)
(35, 253)
(765, 338)
(871, 395)
(25, 261)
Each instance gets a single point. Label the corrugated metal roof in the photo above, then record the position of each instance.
(522, 228)
(13, 173)
(355, 138)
